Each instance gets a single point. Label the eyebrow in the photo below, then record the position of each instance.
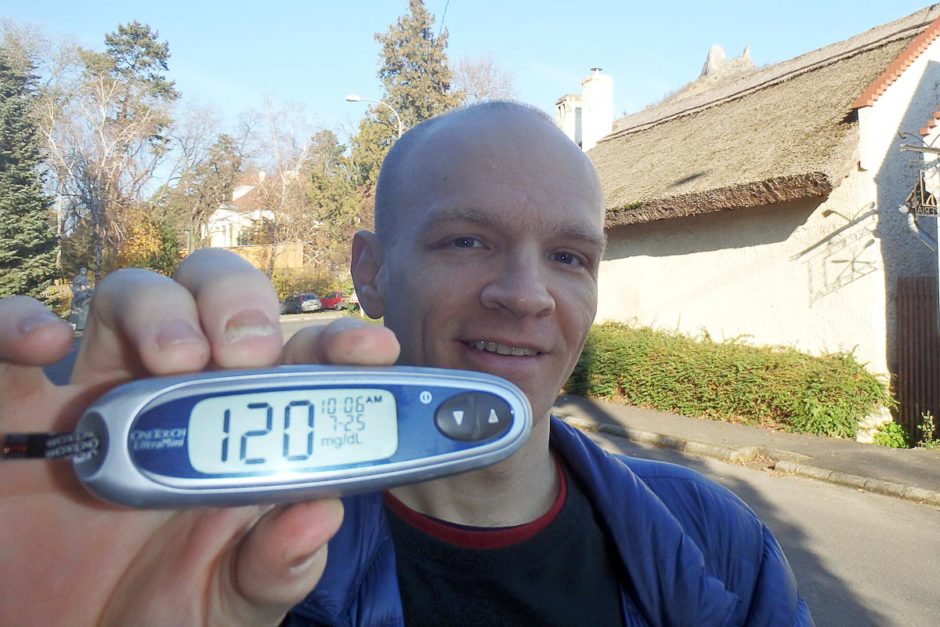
(568, 230)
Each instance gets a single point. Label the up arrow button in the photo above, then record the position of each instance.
(493, 419)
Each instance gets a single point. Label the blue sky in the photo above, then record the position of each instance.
(233, 55)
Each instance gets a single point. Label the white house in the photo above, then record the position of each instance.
(763, 204)
(225, 226)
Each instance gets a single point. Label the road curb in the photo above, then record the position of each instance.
(327, 314)
(782, 460)
(879, 486)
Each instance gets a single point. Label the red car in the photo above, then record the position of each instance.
(333, 300)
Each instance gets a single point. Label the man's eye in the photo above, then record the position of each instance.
(567, 258)
(466, 242)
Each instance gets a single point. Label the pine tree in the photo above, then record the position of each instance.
(417, 84)
(28, 244)
(414, 70)
(335, 202)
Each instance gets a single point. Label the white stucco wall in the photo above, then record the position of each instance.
(916, 89)
(818, 277)
(800, 275)
(904, 107)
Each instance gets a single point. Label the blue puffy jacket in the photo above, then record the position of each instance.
(693, 553)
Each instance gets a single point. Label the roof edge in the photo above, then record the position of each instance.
(784, 70)
(748, 195)
(905, 58)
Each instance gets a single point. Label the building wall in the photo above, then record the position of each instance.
(903, 108)
(225, 226)
(816, 275)
(804, 275)
(287, 255)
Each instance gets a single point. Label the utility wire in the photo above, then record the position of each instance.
(440, 28)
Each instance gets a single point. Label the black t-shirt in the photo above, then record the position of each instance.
(558, 570)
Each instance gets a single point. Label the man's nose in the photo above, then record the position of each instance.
(520, 287)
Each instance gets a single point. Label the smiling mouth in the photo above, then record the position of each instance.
(503, 349)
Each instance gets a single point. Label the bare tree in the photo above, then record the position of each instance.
(207, 163)
(27, 47)
(106, 118)
(481, 79)
(283, 137)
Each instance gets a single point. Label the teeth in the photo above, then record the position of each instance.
(502, 349)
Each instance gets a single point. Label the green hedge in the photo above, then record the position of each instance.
(729, 381)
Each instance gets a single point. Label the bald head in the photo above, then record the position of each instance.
(489, 234)
(493, 130)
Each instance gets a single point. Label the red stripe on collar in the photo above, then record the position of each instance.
(468, 537)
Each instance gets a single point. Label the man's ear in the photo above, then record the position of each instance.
(365, 267)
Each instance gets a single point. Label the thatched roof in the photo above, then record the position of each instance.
(785, 132)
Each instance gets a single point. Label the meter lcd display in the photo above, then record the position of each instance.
(289, 431)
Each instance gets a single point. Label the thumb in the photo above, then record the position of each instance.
(281, 560)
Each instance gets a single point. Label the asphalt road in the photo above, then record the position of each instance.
(860, 558)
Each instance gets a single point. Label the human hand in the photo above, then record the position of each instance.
(71, 559)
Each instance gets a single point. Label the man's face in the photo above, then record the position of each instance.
(493, 262)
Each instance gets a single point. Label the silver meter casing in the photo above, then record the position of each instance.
(430, 444)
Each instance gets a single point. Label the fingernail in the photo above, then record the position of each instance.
(176, 331)
(248, 323)
(26, 325)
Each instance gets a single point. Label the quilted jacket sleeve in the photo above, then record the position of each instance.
(774, 581)
(359, 585)
(737, 547)
(692, 551)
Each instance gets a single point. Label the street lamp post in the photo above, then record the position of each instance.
(356, 98)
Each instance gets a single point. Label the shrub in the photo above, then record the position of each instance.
(290, 282)
(928, 431)
(892, 435)
(771, 386)
(59, 298)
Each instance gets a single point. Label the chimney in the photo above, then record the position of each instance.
(588, 117)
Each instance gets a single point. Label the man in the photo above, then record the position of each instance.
(489, 234)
